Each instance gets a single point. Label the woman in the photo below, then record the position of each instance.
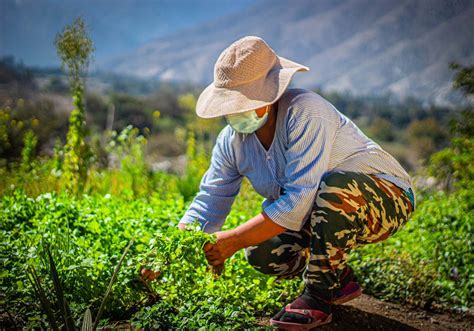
(328, 187)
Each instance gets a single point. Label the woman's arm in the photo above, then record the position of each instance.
(218, 188)
(253, 232)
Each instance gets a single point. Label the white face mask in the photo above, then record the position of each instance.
(246, 122)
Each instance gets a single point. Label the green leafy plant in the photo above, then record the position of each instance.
(454, 163)
(74, 48)
(197, 162)
(87, 237)
(127, 148)
(28, 152)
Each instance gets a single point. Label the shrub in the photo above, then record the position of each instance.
(430, 260)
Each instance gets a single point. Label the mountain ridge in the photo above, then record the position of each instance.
(359, 46)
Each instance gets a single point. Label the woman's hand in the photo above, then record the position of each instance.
(226, 245)
(253, 232)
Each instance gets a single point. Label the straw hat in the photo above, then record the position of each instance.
(247, 75)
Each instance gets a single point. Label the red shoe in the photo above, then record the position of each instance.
(347, 293)
(316, 317)
(350, 288)
(306, 312)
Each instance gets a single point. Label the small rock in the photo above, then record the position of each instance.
(454, 274)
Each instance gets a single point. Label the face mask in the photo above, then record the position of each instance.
(246, 122)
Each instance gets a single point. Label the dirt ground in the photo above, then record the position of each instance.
(363, 313)
(368, 313)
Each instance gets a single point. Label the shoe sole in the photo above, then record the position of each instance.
(298, 326)
(347, 298)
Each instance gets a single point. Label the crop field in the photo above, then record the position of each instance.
(426, 263)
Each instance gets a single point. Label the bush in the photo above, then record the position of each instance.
(430, 260)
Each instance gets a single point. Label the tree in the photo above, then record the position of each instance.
(382, 129)
(74, 48)
(464, 79)
(426, 136)
(455, 162)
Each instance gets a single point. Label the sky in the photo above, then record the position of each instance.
(28, 27)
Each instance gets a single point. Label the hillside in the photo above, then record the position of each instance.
(360, 46)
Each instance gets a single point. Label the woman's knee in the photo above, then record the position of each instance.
(272, 257)
(260, 257)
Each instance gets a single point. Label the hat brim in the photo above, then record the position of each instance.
(216, 101)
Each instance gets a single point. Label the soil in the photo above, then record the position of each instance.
(368, 313)
(363, 313)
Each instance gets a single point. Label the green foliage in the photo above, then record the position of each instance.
(426, 136)
(87, 237)
(128, 148)
(464, 79)
(203, 128)
(131, 110)
(197, 162)
(58, 156)
(111, 283)
(382, 129)
(76, 153)
(128, 175)
(74, 49)
(430, 260)
(4, 130)
(14, 128)
(29, 151)
(454, 163)
(41, 295)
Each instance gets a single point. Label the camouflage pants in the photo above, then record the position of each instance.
(350, 209)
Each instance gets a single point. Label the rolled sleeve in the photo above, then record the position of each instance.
(310, 140)
(217, 190)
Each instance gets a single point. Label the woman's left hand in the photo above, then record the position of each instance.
(225, 247)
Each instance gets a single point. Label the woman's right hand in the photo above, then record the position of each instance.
(181, 226)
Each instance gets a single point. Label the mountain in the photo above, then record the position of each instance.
(28, 27)
(368, 47)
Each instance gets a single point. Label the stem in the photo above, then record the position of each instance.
(109, 288)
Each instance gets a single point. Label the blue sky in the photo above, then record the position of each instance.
(28, 27)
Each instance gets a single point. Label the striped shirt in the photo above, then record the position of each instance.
(311, 138)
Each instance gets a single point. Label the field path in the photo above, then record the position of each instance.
(368, 313)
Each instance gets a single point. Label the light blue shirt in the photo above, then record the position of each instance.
(311, 138)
